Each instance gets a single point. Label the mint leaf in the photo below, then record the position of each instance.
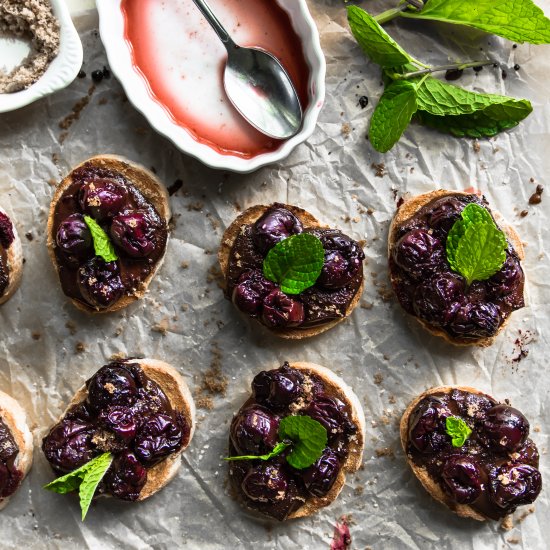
(377, 44)
(103, 246)
(392, 114)
(295, 263)
(517, 20)
(86, 479)
(277, 450)
(309, 439)
(458, 430)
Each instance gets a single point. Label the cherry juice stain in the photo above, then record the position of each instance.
(182, 60)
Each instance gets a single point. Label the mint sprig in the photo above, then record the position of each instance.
(85, 479)
(306, 438)
(103, 245)
(295, 263)
(476, 247)
(458, 430)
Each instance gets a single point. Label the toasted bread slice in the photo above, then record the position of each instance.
(150, 187)
(408, 209)
(463, 510)
(15, 264)
(15, 418)
(250, 216)
(336, 387)
(179, 395)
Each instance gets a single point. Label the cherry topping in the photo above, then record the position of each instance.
(127, 477)
(120, 420)
(282, 311)
(278, 388)
(505, 428)
(343, 260)
(274, 226)
(427, 425)
(437, 300)
(514, 485)
(462, 478)
(250, 292)
(102, 198)
(99, 283)
(418, 253)
(111, 385)
(7, 235)
(254, 431)
(266, 483)
(134, 232)
(476, 320)
(320, 477)
(73, 235)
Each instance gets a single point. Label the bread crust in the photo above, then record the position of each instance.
(433, 488)
(15, 418)
(150, 187)
(179, 395)
(248, 217)
(336, 387)
(408, 209)
(15, 264)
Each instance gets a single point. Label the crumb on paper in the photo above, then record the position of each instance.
(476, 146)
(162, 327)
(346, 129)
(507, 524)
(213, 383)
(80, 347)
(384, 452)
(378, 378)
(379, 169)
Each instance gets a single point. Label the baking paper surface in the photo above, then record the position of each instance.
(385, 355)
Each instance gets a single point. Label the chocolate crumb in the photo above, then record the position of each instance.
(80, 347)
(36, 335)
(378, 378)
(76, 111)
(175, 187)
(30, 236)
(161, 327)
(379, 169)
(71, 326)
(523, 213)
(184, 265)
(536, 197)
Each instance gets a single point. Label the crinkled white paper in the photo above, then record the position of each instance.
(382, 353)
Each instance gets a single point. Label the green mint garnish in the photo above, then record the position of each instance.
(103, 246)
(309, 439)
(85, 479)
(458, 430)
(277, 450)
(476, 247)
(295, 263)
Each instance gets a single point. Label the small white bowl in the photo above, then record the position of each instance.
(62, 70)
(111, 27)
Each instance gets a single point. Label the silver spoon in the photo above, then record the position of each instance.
(257, 85)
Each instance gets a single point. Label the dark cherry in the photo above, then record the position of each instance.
(476, 320)
(127, 477)
(100, 283)
(527, 454)
(266, 483)
(158, 436)
(274, 226)
(343, 260)
(443, 217)
(278, 388)
(151, 400)
(418, 253)
(472, 405)
(4, 277)
(331, 413)
(320, 477)
(80, 412)
(438, 299)
(505, 428)
(4, 479)
(251, 290)
(8, 446)
(254, 430)
(7, 235)
(102, 198)
(120, 420)
(10, 479)
(134, 232)
(73, 235)
(427, 425)
(513, 485)
(508, 279)
(111, 385)
(461, 477)
(282, 311)
(69, 445)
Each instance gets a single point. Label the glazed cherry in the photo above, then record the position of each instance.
(472, 405)
(151, 400)
(266, 483)
(100, 283)
(437, 300)
(250, 292)
(508, 279)
(7, 235)
(278, 388)
(10, 479)
(8, 446)
(127, 477)
(330, 412)
(74, 236)
(134, 232)
(158, 436)
(120, 420)
(443, 217)
(282, 311)
(103, 198)
(427, 425)
(527, 454)
(274, 226)
(111, 385)
(69, 445)
(320, 477)
(505, 428)
(254, 431)
(514, 485)
(418, 253)
(476, 320)
(343, 260)
(462, 479)
(4, 479)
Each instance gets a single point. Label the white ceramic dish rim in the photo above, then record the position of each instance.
(62, 70)
(111, 27)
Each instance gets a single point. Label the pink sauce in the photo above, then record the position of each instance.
(182, 60)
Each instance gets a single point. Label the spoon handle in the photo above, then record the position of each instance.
(214, 22)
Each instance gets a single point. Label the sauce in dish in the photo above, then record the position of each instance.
(182, 60)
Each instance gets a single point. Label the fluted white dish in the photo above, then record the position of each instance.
(62, 70)
(111, 27)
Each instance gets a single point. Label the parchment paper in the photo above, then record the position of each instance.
(382, 353)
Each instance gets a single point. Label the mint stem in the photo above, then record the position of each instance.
(441, 68)
(388, 15)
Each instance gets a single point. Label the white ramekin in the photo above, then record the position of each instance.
(62, 70)
(111, 27)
